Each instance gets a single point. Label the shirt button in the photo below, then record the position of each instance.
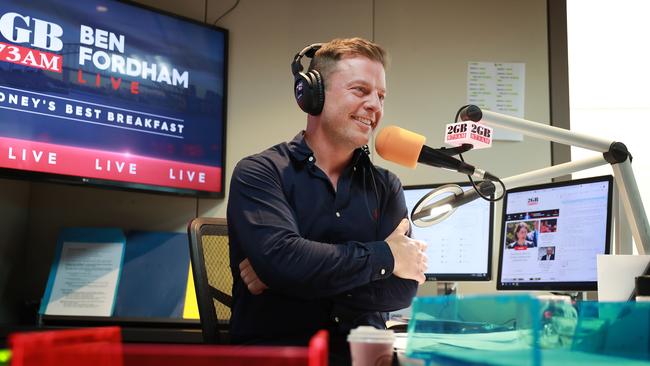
(311, 158)
(338, 214)
(383, 271)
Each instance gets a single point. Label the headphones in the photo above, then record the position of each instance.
(308, 88)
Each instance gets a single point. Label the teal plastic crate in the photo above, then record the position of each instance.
(526, 330)
(618, 329)
(475, 330)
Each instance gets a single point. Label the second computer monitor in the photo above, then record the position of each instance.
(551, 234)
(459, 247)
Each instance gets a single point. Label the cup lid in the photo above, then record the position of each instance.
(372, 335)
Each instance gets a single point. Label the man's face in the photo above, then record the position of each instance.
(354, 101)
(549, 251)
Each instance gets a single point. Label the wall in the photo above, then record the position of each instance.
(430, 43)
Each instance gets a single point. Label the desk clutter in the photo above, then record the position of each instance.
(104, 272)
(500, 330)
(138, 280)
(526, 330)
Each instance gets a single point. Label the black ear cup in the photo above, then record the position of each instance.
(308, 87)
(309, 92)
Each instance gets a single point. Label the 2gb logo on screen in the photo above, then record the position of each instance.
(38, 33)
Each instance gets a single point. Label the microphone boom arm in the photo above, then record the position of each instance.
(613, 153)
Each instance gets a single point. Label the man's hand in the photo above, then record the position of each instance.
(408, 254)
(248, 275)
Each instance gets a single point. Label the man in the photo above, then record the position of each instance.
(317, 233)
(550, 254)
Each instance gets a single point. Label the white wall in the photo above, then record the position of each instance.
(430, 43)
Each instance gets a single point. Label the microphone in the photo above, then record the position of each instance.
(407, 148)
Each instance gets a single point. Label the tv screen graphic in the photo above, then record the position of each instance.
(114, 94)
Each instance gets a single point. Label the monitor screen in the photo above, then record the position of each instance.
(551, 234)
(112, 94)
(459, 247)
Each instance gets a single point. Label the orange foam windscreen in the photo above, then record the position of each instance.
(399, 145)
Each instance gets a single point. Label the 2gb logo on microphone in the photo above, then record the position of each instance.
(473, 133)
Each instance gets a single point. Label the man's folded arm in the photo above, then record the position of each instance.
(263, 224)
(393, 293)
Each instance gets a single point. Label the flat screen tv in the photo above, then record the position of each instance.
(110, 93)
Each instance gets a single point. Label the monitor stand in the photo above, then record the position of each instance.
(447, 288)
(573, 295)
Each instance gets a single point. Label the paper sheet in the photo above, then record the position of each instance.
(616, 275)
(498, 87)
(86, 279)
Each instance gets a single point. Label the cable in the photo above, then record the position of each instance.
(205, 12)
(376, 218)
(227, 11)
(373, 20)
(460, 156)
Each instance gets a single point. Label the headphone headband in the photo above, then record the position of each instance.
(308, 51)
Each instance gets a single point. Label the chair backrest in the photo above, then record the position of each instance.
(210, 256)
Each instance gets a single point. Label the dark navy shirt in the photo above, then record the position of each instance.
(320, 250)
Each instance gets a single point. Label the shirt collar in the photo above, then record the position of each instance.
(301, 152)
(299, 149)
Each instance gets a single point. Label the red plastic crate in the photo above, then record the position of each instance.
(72, 347)
(103, 347)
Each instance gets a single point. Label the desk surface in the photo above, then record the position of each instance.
(135, 330)
(150, 330)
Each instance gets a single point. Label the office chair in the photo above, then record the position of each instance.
(209, 253)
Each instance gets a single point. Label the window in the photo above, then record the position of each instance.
(609, 79)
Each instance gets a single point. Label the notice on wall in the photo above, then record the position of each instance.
(498, 87)
(85, 278)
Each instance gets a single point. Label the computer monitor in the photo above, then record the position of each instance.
(459, 247)
(551, 234)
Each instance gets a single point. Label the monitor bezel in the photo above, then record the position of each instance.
(460, 277)
(555, 286)
(83, 181)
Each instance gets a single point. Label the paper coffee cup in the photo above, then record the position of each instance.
(371, 347)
